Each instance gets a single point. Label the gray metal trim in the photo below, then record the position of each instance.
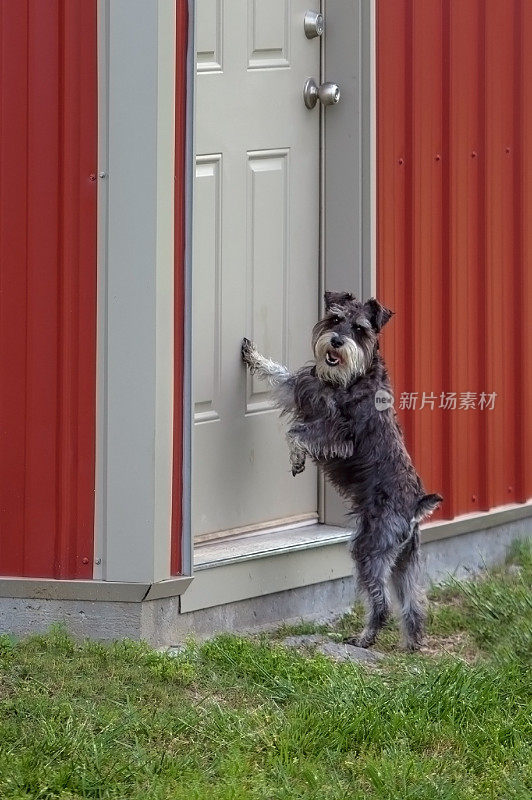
(100, 511)
(94, 591)
(186, 535)
(349, 147)
(348, 199)
(169, 588)
(369, 134)
(434, 531)
(136, 320)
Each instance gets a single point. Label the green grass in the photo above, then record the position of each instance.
(244, 718)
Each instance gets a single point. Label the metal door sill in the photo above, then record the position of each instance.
(267, 543)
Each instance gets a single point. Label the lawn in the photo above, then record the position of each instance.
(245, 718)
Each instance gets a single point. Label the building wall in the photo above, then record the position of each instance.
(454, 154)
(454, 250)
(48, 184)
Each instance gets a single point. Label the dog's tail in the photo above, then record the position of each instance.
(426, 505)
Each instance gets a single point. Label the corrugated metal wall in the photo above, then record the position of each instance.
(454, 129)
(48, 162)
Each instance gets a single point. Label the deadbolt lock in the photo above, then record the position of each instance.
(328, 93)
(313, 24)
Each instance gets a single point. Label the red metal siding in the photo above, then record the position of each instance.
(48, 162)
(179, 279)
(454, 151)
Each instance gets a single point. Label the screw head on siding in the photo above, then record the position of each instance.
(85, 560)
(92, 176)
(474, 498)
(508, 151)
(437, 157)
(474, 154)
(401, 162)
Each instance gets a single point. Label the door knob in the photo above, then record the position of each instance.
(313, 24)
(328, 93)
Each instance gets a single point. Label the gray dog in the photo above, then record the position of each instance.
(341, 419)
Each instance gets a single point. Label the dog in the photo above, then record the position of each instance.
(339, 420)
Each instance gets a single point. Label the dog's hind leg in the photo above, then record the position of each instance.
(411, 597)
(373, 571)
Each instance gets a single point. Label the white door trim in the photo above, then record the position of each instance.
(349, 192)
(350, 148)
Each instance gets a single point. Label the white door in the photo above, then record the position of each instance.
(255, 270)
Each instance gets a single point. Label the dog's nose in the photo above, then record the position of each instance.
(337, 341)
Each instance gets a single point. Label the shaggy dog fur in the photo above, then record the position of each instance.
(337, 422)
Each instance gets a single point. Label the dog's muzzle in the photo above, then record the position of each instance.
(332, 359)
(338, 359)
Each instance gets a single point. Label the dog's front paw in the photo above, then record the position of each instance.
(248, 351)
(298, 464)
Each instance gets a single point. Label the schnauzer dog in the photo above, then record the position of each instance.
(339, 419)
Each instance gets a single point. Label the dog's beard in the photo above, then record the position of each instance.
(351, 364)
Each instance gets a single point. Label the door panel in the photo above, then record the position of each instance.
(255, 254)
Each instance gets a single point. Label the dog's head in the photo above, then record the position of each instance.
(344, 341)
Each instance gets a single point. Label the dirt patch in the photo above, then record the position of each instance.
(457, 644)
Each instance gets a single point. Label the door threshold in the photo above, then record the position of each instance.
(273, 526)
(264, 543)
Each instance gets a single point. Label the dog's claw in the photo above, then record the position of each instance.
(357, 641)
(246, 349)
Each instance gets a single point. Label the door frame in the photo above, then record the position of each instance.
(348, 249)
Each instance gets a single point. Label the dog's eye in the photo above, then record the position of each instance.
(359, 328)
(336, 319)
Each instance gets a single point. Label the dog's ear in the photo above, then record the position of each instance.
(377, 314)
(336, 299)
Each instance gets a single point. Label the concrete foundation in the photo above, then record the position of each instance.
(160, 622)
